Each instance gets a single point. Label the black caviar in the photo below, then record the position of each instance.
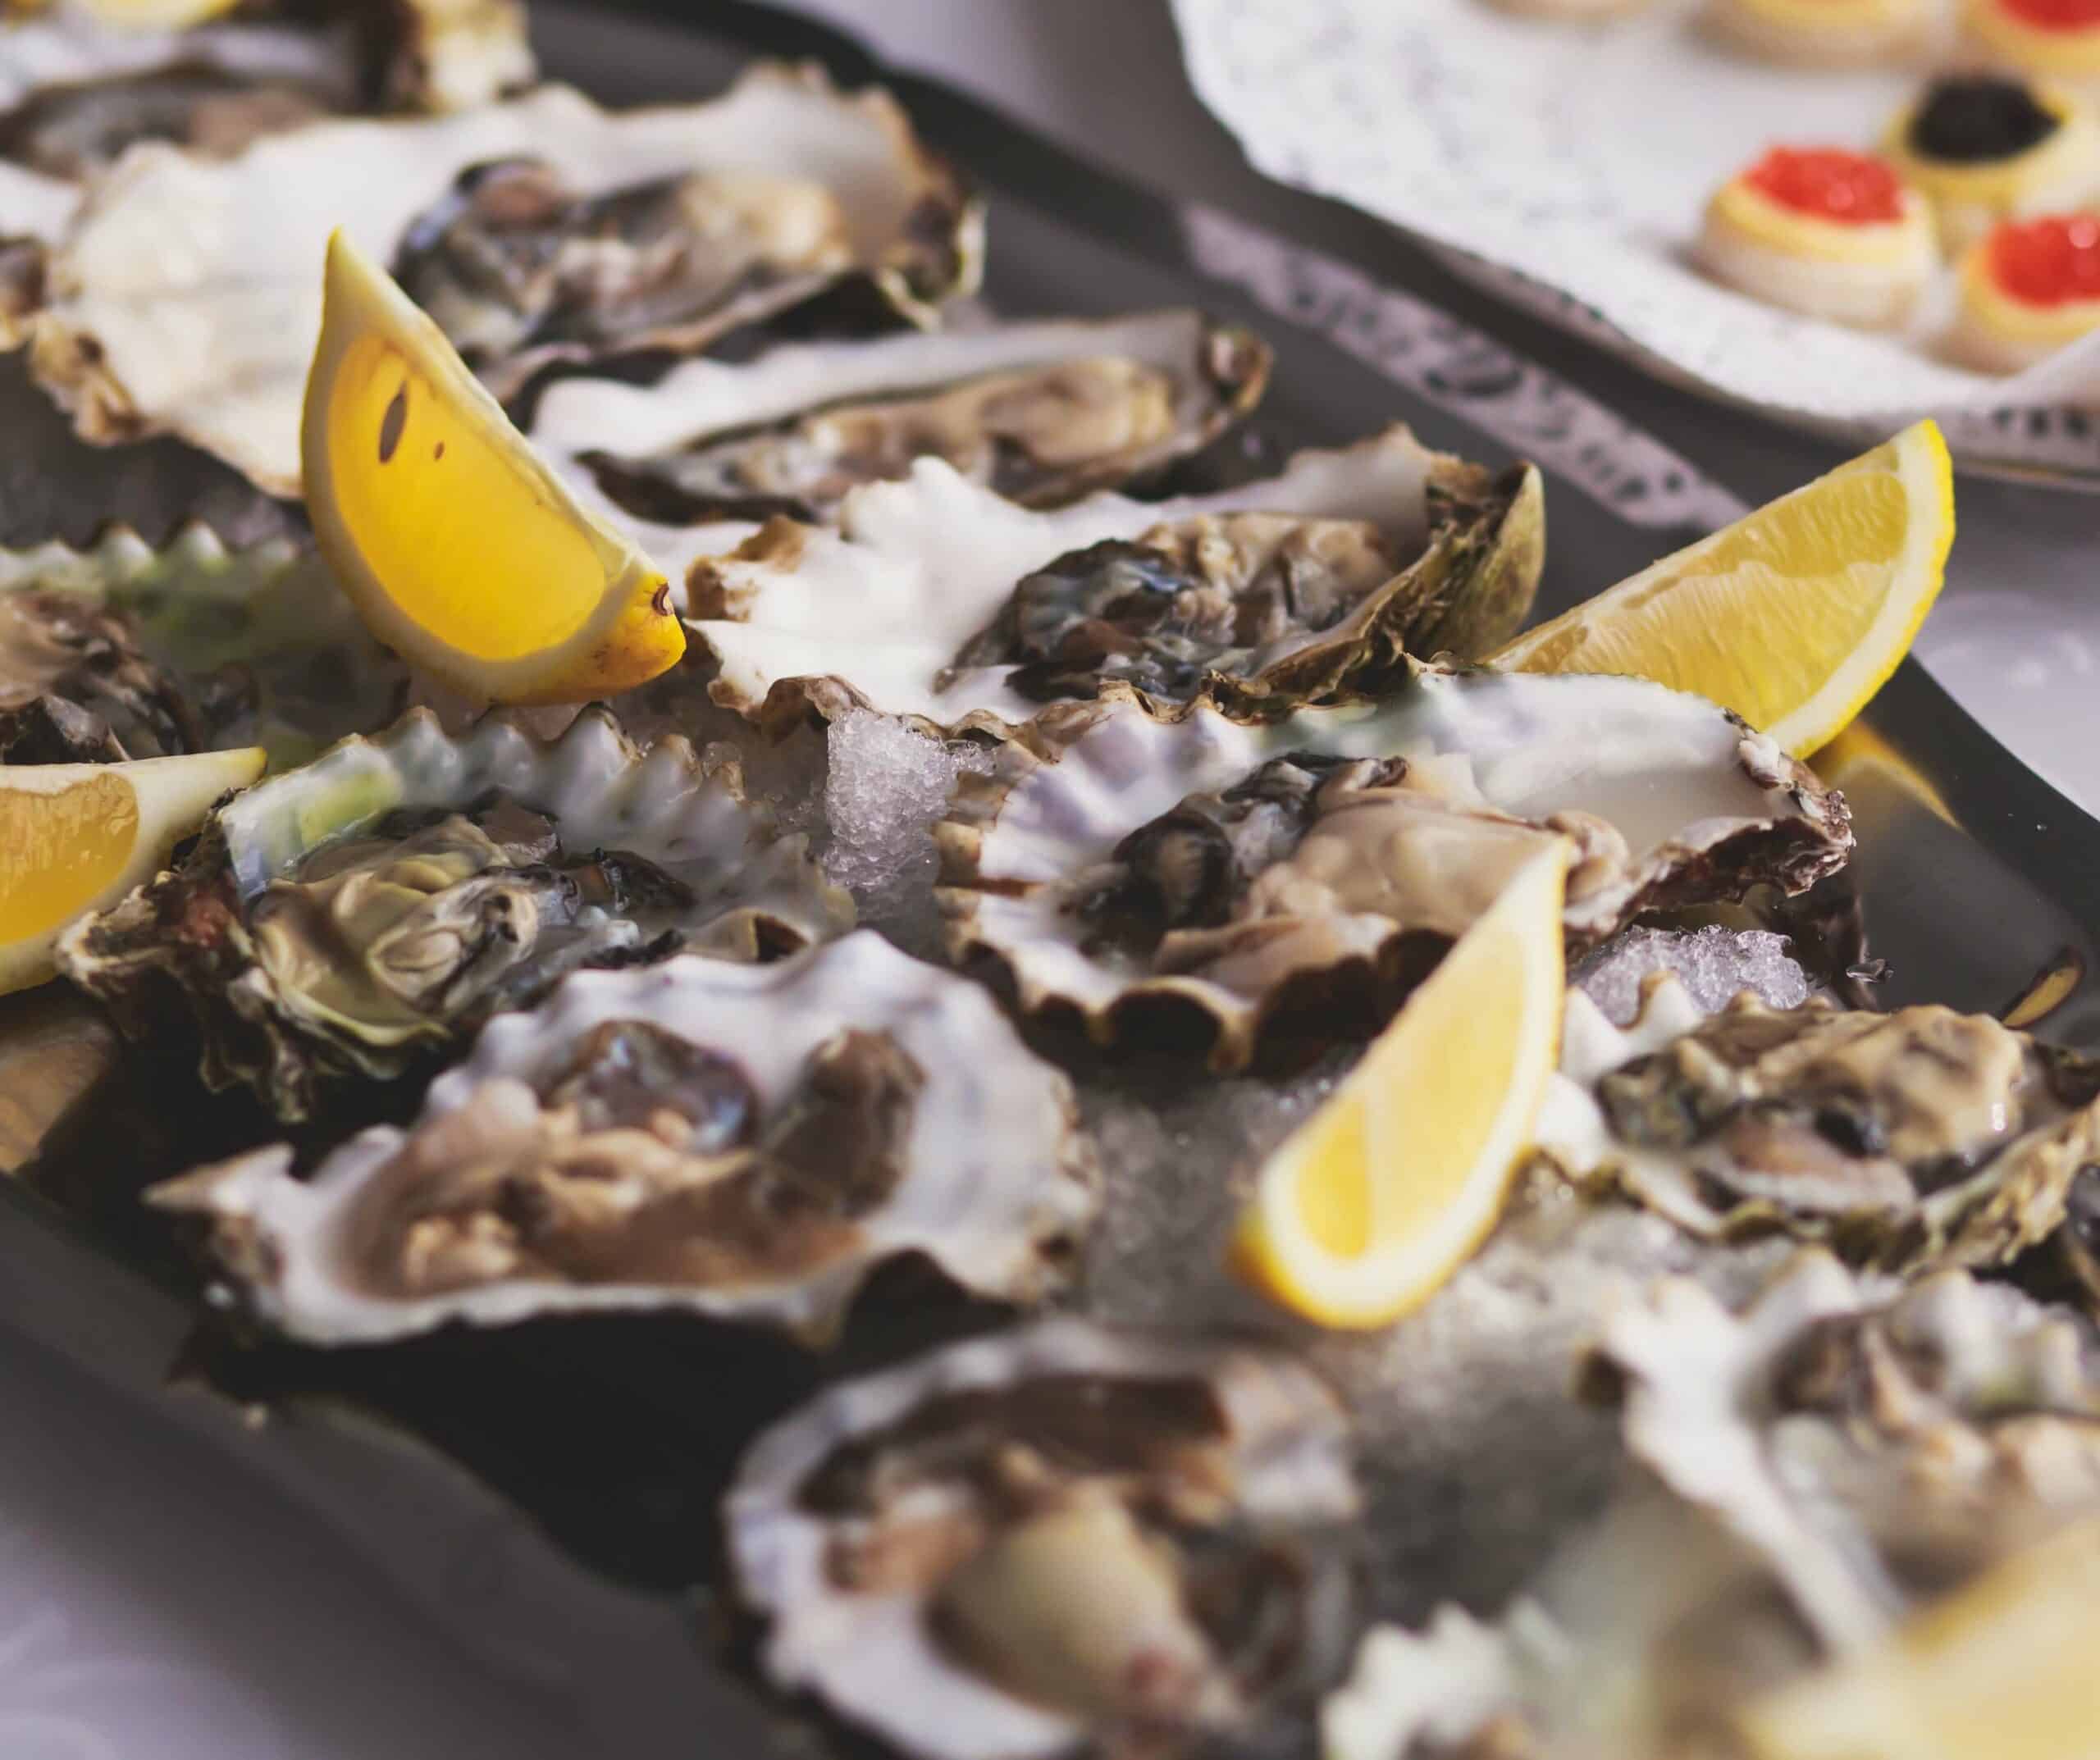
(1974, 121)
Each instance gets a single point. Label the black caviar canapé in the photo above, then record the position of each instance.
(1974, 120)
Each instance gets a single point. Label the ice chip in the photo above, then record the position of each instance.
(887, 785)
(1714, 963)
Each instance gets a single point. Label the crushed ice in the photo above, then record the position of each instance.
(887, 784)
(1714, 963)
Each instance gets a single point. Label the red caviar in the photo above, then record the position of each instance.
(2055, 15)
(2048, 262)
(1830, 183)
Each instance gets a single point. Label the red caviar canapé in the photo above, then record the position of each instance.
(2052, 261)
(1852, 188)
(2055, 15)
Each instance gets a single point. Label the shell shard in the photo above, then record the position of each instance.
(938, 600)
(722, 214)
(1017, 1544)
(350, 919)
(1925, 1137)
(1840, 1474)
(1117, 861)
(125, 650)
(1038, 412)
(745, 1141)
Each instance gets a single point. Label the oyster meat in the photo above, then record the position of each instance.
(1822, 1479)
(747, 1142)
(538, 229)
(1017, 1544)
(1040, 413)
(1923, 1136)
(939, 600)
(353, 918)
(1117, 861)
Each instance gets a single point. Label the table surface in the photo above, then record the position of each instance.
(147, 1584)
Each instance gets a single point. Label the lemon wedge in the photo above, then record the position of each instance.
(2001, 1667)
(460, 548)
(77, 838)
(1794, 616)
(1374, 1200)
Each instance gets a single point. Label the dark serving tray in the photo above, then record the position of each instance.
(548, 1492)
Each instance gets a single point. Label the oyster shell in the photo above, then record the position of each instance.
(747, 1142)
(353, 917)
(1012, 1545)
(125, 650)
(1041, 413)
(1818, 1473)
(1923, 1137)
(1117, 862)
(75, 91)
(940, 601)
(537, 230)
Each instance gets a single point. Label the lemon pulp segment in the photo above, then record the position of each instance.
(442, 520)
(60, 851)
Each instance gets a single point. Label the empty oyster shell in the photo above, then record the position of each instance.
(940, 601)
(75, 91)
(1012, 1545)
(746, 1141)
(1923, 1137)
(1818, 1472)
(353, 918)
(1117, 861)
(538, 229)
(1041, 413)
(128, 652)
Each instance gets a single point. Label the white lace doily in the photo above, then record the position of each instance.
(1567, 165)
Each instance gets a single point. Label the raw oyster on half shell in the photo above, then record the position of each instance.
(746, 1141)
(127, 650)
(1923, 1137)
(939, 600)
(1061, 1536)
(1824, 1478)
(1039, 412)
(539, 229)
(352, 918)
(1118, 862)
(75, 91)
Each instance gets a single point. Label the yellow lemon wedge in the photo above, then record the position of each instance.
(2002, 1667)
(461, 549)
(1374, 1201)
(77, 838)
(1794, 616)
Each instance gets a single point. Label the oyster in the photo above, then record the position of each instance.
(539, 229)
(1041, 413)
(352, 918)
(1117, 861)
(75, 688)
(1919, 1137)
(748, 1142)
(1825, 1479)
(1015, 1544)
(125, 650)
(75, 91)
(938, 600)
